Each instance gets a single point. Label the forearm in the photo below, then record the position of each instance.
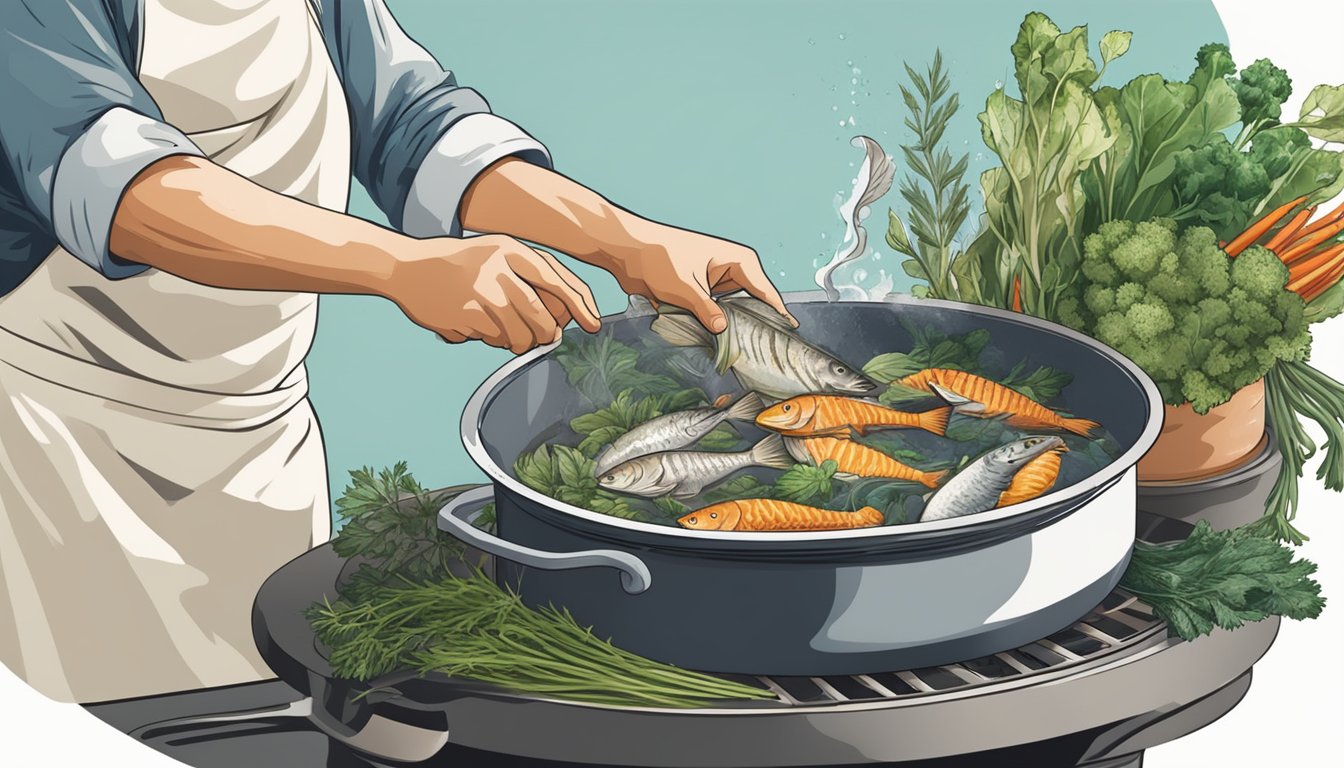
(196, 220)
(533, 203)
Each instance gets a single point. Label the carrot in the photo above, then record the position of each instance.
(1258, 229)
(1289, 230)
(1306, 244)
(1313, 291)
(1017, 294)
(1321, 223)
(1315, 268)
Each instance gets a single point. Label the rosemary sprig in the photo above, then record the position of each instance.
(935, 191)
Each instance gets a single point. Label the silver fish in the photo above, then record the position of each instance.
(686, 473)
(673, 431)
(765, 353)
(976, 488)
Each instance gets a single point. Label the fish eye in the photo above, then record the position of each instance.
(610, 478)
(691, 521)
(713, 515)
(841, 369)
(787, 407)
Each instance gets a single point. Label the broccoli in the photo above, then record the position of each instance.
(1261, 89)
(1202, 324)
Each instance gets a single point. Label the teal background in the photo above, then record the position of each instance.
(717, 115)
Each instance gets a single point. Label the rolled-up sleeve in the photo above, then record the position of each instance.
(420, 138)
(77, 126)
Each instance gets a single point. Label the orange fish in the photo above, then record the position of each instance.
(807, 415)
(1037, 477)
(773, 515)
(977, 396)
(858, 460)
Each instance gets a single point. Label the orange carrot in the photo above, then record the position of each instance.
(1306, 244)
(1258, 229)
(1313, 291)
(1289, 230)
(1313, 269)
(1017, 294)
(1321, 223)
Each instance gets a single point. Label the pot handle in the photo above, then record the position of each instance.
(458, 514)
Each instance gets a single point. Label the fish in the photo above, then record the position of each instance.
(1037, 477)
(686, 473)
(675, 430)
(853, 460)
(980, 485)
(977, 396)
(809, 415)
(764, 352)
(775, 515)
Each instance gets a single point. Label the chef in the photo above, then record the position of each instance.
(171, 203)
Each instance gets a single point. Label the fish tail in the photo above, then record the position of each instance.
(1083, 427)
(935, 421)
(682, 331)
(932, 479)
(746, 408)
(771, 452)
(870, 516)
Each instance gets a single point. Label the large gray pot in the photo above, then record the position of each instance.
(830, 603)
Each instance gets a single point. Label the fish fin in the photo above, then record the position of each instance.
(771, 452)
(871, 516)
(759, 310)
(640, 307)
(934, 479)
(1082, 427)
(682, 331)
(859, 429)
(725, 351)
(848, 477)
(935, 421)
(746, 408)
(797, 450)
(959, 403)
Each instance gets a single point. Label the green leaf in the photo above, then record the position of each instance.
(896, 237)
(537, 470)
(1322, 113)
(670, 506)
(1042, 385)
(803, 483)
(574, 469)
(1114, 44)
(740, 487)
(722, 438)
(891, 366)
(1327, 305)
(599, 438)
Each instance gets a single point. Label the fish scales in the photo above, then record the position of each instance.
(775, 515)
(857, 459)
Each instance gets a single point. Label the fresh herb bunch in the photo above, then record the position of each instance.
(936, 193)
(389, 518)
(566, 474)
(1295, 390)
(1222, 579)
(471, 628)
(600, 368)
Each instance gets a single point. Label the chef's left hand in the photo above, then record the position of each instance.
(686, 269)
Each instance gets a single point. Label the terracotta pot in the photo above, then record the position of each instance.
(1193, 446)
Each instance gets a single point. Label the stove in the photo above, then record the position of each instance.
(1095, 695)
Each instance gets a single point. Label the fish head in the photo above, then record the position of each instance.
(840, 378)
(792, 414)
(636, 477)
(717, 517)
(1019, 452)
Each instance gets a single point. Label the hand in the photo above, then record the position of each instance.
(493, 288)
(686, 269)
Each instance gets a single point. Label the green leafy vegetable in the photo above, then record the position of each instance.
(1201, 324)
(390, 518)
(566, 474)
(1294, 389)
(740, 487)
(1042, 384)
(1322, 113)
(936, 195)
(601, 367)
(471, 628)
(802, 483)
(1222, 579)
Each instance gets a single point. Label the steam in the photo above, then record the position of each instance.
(873, 181)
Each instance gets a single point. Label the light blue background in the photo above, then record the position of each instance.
(717, 115)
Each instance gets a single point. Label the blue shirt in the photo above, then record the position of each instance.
(78, 127)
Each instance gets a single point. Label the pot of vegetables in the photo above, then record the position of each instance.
(979, 491)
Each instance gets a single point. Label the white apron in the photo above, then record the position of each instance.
(158, 454)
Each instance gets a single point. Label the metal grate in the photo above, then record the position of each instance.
(1121, 621)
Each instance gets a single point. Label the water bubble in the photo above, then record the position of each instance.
(810, 41)
(849, 63)
(823, 235)
(998, 84)
(781, 274)
(834, 108)
(851, 119)
(860, 275)
(877, 256)
(853, 81)
(842, 123)
(842, 35)
(857, 71)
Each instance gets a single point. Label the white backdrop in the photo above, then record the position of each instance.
(1294, 712)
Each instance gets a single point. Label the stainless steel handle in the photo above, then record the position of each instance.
(457, 516)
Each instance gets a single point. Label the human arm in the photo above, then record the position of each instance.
(201, 222)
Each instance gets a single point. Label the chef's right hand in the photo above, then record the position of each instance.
(491, 287)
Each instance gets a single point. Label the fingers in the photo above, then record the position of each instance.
(541, 271)
(748, 274)
(695, 298)
(522, 318)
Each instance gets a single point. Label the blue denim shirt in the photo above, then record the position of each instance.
(76, 126)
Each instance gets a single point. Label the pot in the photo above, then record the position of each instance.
(1194, 446)
(820, 603)
(1228, 499)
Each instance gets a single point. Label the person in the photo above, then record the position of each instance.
(171, 202)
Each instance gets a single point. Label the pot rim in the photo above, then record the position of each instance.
(480, 400)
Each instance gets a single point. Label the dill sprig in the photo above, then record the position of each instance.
(935, 192)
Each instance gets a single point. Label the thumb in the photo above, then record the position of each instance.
(709, 313)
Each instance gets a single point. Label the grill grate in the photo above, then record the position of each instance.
(1120, 621)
